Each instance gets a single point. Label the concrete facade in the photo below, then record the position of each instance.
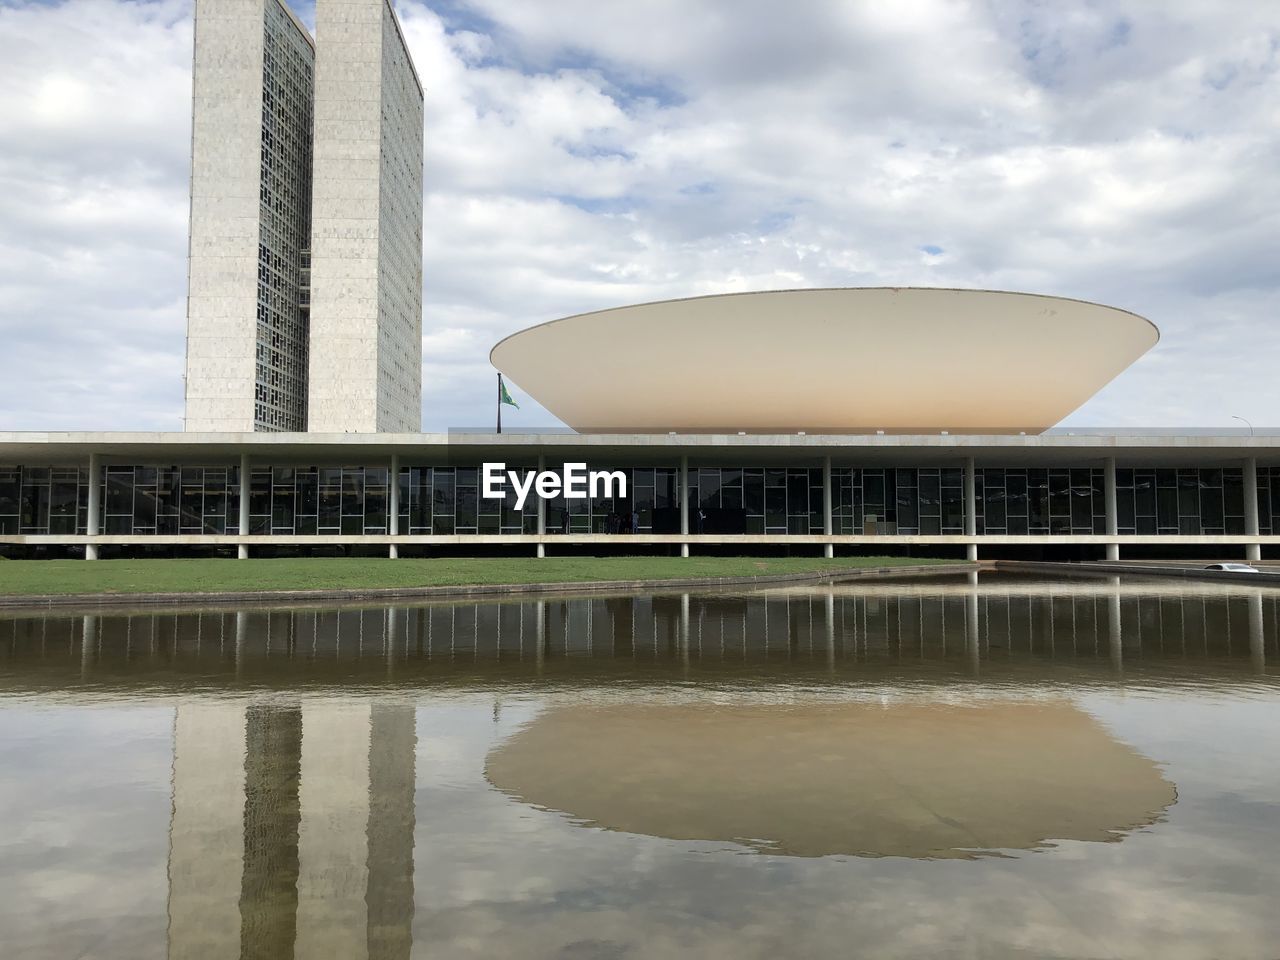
(250, 217)
(366, 273)
(305, 263)
(849, 360)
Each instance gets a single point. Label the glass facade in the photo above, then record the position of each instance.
(444, 500)
(897, 501)
(36, 500)
(752, 500)
(1186, 501)
(1041, 501)
(170, 500)
(288, 69)
(1269, 500)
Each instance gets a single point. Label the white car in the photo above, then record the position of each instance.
(1233, 567)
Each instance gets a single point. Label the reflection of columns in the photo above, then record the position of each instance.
(1252, 551)
(393, 629)
(242, 636)
(540, 628)
(1257, 640)
(684, 504)
(828, 526)
(88, 644)
(1113, 629)
(393, 505)
(830, 601)
(206, 833)
(542, 508)
(95, 505)
(684, 626)
(1112, 511)
(972, 640)
(970, 507)
(242, 551)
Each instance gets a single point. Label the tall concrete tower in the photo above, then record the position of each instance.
(304, 306)
(250, 218)
(366, 229)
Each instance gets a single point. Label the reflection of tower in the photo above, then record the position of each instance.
(292, 831)
(393, 740)
(206, 832)
(269, 888)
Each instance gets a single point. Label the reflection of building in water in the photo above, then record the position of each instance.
(269, 888)
(1004, 621)
(292, 830)
(206, 833)
(904, 779)
(1073, 619)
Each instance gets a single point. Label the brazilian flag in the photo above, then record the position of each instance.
(504, 397)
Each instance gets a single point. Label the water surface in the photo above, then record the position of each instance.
(919, 768)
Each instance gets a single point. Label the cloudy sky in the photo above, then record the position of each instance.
(585, 154)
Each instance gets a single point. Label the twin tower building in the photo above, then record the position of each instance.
(304, 308)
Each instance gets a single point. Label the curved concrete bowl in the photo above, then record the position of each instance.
(826, 361)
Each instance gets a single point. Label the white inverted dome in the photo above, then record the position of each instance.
(901, 360)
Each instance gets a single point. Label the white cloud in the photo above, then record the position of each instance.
(582, 156)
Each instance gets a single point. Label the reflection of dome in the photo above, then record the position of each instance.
(929, 780)
(826, 361)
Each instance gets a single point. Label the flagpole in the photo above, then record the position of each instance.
(499, 403)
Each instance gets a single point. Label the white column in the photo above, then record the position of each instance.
(95, 502)
(684, 504)
(828, 527)
(970, 508)
(242, 552)
(393, 508)
(542, 511)
(1109, 498)
(1252, 551)
(829, 601)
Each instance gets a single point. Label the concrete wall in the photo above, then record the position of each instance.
(226, 147)
(366, 310)
(246, 330)
(400, 238)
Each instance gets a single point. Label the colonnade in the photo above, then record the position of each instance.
(971, 539)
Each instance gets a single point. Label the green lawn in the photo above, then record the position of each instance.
(28, 577)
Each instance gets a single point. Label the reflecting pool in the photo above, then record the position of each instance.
(921, 768)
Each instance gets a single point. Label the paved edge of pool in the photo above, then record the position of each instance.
(1097, 568)
(463, 591)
